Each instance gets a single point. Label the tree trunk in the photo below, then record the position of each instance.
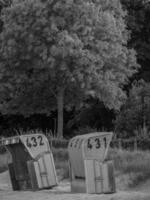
(60, 104)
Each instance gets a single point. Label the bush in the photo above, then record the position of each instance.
(143, 143)
(2, 150)
(85, 130)
(61, 162)
(58, 143)
(60, 154)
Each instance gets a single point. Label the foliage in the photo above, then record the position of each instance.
(93, 114)
(53, 53)
(60, 154)
(84, 130)
(134, 117)
(137, 19)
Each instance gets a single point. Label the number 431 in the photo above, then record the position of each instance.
(97, 143)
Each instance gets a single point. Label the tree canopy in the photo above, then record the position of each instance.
(54, 53)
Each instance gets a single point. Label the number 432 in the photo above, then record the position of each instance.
(34, 141)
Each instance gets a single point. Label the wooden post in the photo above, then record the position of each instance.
(60, 104)
(135, 144)
(119, 144)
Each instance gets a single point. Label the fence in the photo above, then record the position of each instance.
(132, 144)
(128, 144)
(58, 143)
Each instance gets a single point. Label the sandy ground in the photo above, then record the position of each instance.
(62, 192)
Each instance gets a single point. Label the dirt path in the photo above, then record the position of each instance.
(62, 192)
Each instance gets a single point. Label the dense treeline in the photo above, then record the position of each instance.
(134, 118)
(96, 111)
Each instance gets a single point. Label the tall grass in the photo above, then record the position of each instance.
(136, 164)
(127, 161)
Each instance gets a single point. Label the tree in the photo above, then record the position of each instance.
(134, 116)
(59, 52)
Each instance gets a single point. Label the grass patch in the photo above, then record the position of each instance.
(135, 164)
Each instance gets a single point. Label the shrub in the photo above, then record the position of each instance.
(60, 154)
(85, 130)
(61, 162)
(58, 143)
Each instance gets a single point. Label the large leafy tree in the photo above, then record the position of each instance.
(54, 53)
